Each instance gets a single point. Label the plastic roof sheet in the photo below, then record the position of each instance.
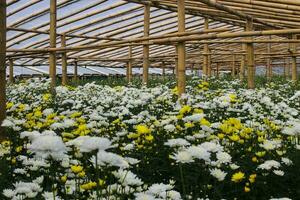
(118, 19)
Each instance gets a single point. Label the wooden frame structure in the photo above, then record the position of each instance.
(211, 35)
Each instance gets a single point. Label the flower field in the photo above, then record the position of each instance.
(219, 141)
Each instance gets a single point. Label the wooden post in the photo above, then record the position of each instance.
(176, 62)
(294, 60)
(209, 63)
(218, 70)
(146, 51)
(243, 61)
(52, 57)
(269, 64)
(11, 71)
(129, 66)
(233, 71)
(287, 68)
(164, 70)
(75, 78)
(2, 67)
(250, 57)
(206, 50)
(64, 61)
(181, 48)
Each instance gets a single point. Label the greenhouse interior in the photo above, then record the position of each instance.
(150, 100)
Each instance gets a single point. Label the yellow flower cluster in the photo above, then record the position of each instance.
(237, 177)
(142, 135)
(203, 86)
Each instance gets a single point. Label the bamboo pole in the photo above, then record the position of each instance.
(287, 66)
(75, 75)
(176, 62)
(209, 63)
(11, 71)
(163, 70)
(52, 57)
(243, 62)
(181, 81)
(2, 67)
(233, 71)
(154, 40)
(129, 66)
(269, 64)
(205, 49)
(294, 61)
(64, 62)
(146, 51)
(250, 57)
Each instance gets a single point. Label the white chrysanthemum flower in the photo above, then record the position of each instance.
(127, 178)
(269, 164)
(179, 142)
(170, 128)
(223, 157)
(278, 172)
(218, 174)
(8, 193)
(182, 157)
(8, 123)
(199, 153)
(270, 144)
(111, 159)
(144, 196)
(46, 145)
(286, 161)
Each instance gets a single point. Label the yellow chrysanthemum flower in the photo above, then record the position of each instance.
(237, 177)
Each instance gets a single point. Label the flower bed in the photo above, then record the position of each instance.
(219, 141)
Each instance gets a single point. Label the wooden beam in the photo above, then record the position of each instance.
(146, 51)
(2, 67)
(52, 57)
(181, 81)
(167, 40)
(250, 57)
(64, 62)
(237, 13)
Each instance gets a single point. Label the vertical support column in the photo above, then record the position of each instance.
(287, 67)
(164, 70)
(233, 70)
(206, 50)
(294, 60)
(181, 48)
(64, 61)
(269, 62)
(218, 69)
(209, 63)
(11, 71)
(129, 66)
(146, 53)
(52, 57)
(2, 66)
(176, 62)
(75, 78)
(250, 57)
(243, 62)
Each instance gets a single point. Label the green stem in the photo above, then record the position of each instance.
(182, 180)
(97, 179)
